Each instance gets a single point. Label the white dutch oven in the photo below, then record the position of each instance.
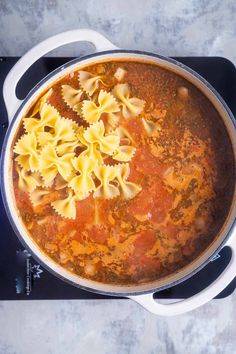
(105, 50)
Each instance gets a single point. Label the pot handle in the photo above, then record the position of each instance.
(12, 103)
(183, 306)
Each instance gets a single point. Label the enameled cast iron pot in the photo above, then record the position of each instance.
(16, 109)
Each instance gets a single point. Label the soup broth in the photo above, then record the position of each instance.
(123, 172)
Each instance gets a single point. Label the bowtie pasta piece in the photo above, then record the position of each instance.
(111, 121)
(36, 196)
(48, 117)
(83, 184)
(149, 126)
(89, 82)
(62, 132)
(60, 183)
(128, 189)
(106, 104)
(50, 164)
(124, 153)
(91, 149)
(71, 96)
(26, 148)
(66, 207)
(106, 174)
(125, 136)
(131, 107)
(27, 182)
(96, 134)
(66, 147)
(41, 101)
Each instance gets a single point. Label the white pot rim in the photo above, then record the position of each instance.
(8, 198)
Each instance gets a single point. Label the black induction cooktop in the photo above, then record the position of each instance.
(21, 277)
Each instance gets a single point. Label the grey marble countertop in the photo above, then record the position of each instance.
(169, 27)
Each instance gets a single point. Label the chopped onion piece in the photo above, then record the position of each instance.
(119, 74)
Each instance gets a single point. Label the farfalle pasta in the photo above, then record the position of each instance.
(107, 143)
(125, 136)
(124, 153)
(62, 132)
(113, 182)
(115, 174)
(41, 102)
(112, 121)
(89, 149)
(149, 126)
(50, 164)
(48, 117)
(50, 151)
(27, 182)
(131, 106)
(89, 82)
(66, 207)
(92, 112)
(128, 190)
(36, 196)
(60, 182)
(83, 183)
(66, 154)
(28, 153)
(106, 175)
(65, 147)
(72, 96)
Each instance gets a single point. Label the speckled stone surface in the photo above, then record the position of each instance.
(170, 27)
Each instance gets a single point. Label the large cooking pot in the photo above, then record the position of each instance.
(105, 50)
